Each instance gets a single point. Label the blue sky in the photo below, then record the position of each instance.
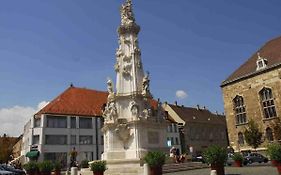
(189, 45)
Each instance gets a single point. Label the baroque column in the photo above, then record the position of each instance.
(132, 126)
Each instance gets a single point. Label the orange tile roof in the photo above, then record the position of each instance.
(80, 102)
(77, 101)
(271, 51)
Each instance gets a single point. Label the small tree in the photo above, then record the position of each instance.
(253, 136)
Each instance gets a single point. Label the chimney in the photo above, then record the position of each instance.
(176, 103)
(198, 107)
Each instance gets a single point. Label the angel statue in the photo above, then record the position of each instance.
(111, 95)
(145, 85)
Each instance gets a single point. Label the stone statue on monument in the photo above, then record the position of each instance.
(127, 16)
(111, 94)
(145, 85)
(110, 112)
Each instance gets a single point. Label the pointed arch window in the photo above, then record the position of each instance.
(240, 138)
(240, 110)
(268, 103)
(269, 134)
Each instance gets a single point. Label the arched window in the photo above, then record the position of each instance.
(240, 111)
(268, 134)
(240, 138)
(268, 103)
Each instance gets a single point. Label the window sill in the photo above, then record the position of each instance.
(268, 119)
(241, 124)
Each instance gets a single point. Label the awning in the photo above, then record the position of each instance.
(32, 154)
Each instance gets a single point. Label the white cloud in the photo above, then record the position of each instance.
(12, 120)
(181, 94)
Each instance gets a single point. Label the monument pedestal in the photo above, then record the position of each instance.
(124, 167)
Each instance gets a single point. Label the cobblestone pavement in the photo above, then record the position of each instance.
(247, 170)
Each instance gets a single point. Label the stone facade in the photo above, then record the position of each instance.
(199, 127)
(250, 89)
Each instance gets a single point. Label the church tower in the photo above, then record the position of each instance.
(133, 126)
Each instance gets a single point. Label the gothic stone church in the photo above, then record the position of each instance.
(253, 91)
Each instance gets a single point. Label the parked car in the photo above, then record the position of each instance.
(12, 169)
(230, 160)
(4, 172)
(256, 157)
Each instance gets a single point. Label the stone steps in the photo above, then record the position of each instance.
(174, 167)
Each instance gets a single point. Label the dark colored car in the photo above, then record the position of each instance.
(256, 157)
(5, 172)
(12, 169)
(230, 160)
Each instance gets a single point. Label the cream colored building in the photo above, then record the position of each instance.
(198, 127)
(253, 91)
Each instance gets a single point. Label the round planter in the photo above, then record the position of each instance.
(274, 162)
(237, 163)
(57, 172)
(155, 170)
(97, 173)
(219, 168)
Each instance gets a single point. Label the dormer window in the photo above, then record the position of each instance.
(261, 62)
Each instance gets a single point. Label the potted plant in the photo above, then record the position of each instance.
(238, 159)
(98, 167)
(155, 161)
(57, 168)
(216, 156)
(84, 165)
(46, 167)
(272, 152)
(31, 168)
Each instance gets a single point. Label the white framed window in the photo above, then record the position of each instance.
(72, 122)
(267, 101)
(240, 110)
(35, 139)
(56, 139)
(261, 62)
(85, 140)
(85, 123)
(56, 122)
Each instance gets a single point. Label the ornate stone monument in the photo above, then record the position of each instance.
(132, 126)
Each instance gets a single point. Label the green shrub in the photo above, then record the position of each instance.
(237, 157)
(84, 164)
(155, 158)
(57, 166)
(30, 167)
(98, 166)
(274, 151)
(46, 166)
(215, 155)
